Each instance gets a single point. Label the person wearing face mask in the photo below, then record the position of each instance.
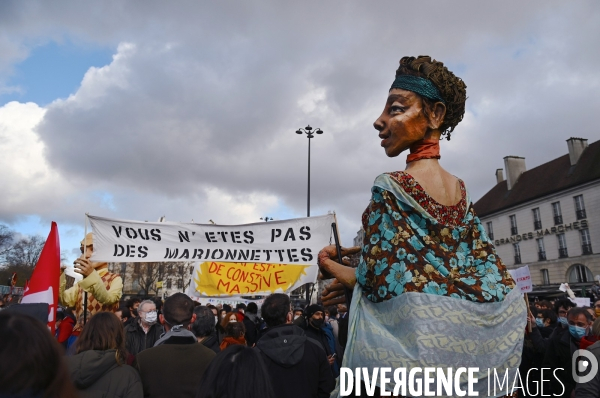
(132, 304)
(316, 328)
(561, 346)
(144, 331)
(215, 312)
(298, 312)
(561, 307)
(545, 322)
(542, 323)
(596, 308)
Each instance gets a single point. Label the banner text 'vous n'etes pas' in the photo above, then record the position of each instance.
(232, 260)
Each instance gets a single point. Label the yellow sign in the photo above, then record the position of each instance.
(159, 284)
(217, 278)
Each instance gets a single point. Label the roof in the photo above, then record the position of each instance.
(548, 178)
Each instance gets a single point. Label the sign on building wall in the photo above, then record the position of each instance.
(250, 259)
(558, 229)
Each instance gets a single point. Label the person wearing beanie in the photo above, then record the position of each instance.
(316, 328)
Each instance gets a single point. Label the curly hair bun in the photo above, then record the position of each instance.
(451, 87)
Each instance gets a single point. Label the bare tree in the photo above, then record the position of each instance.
(6, 239)
(18, 257)
(183, 275)
(150, 273)
(25, 252)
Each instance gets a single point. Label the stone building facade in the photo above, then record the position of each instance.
(548, 217)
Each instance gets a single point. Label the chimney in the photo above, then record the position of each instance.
(576, 148)
(499, 175)
(514, 166)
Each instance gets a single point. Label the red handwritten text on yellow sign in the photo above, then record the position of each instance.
(217, 278)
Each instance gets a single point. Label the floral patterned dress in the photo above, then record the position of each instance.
(414, 244)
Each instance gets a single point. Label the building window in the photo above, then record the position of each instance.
(579, 207)
(562, 246)
(180, 269)
(179, 284)
(537, 220)
(545, 277)
(541, 249)
(513, 225)
(578, 273)
(169, 284)
(557, 213)
(517, 253)
(136, 268)
(586, 242)
(490, 230)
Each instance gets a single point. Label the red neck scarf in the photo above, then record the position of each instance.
(424, 149)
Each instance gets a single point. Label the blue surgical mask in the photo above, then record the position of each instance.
(539, 322)
(577, 331)
(563, 320)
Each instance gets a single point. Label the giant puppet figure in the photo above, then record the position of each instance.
(104, 288)
(429, 289)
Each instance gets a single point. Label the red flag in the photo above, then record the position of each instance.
(44, 282)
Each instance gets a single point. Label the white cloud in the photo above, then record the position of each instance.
(195, 115)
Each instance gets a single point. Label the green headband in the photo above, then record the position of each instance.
(418, 85)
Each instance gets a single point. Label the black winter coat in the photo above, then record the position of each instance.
(137, 341)
(212, 342)
(251, 335)
(97, 374)
(297, 365)
(591, 389)
(560, 348)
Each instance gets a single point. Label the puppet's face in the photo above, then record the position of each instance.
(89, 250)
(402, 122)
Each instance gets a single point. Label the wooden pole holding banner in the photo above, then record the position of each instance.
(338, 248)
(528, 311)
(85, 293)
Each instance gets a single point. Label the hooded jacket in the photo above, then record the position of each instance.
(297, 365)
(97, 374)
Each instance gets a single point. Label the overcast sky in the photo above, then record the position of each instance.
(137, 110)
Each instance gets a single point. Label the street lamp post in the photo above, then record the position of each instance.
(310, 134)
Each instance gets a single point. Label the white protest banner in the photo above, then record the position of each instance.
(581, 301)
(233, 260)
(522, 276)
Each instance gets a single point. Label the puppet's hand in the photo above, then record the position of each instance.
(333, 294)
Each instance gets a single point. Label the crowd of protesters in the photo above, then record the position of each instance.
(184, 349)
(178, 348)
